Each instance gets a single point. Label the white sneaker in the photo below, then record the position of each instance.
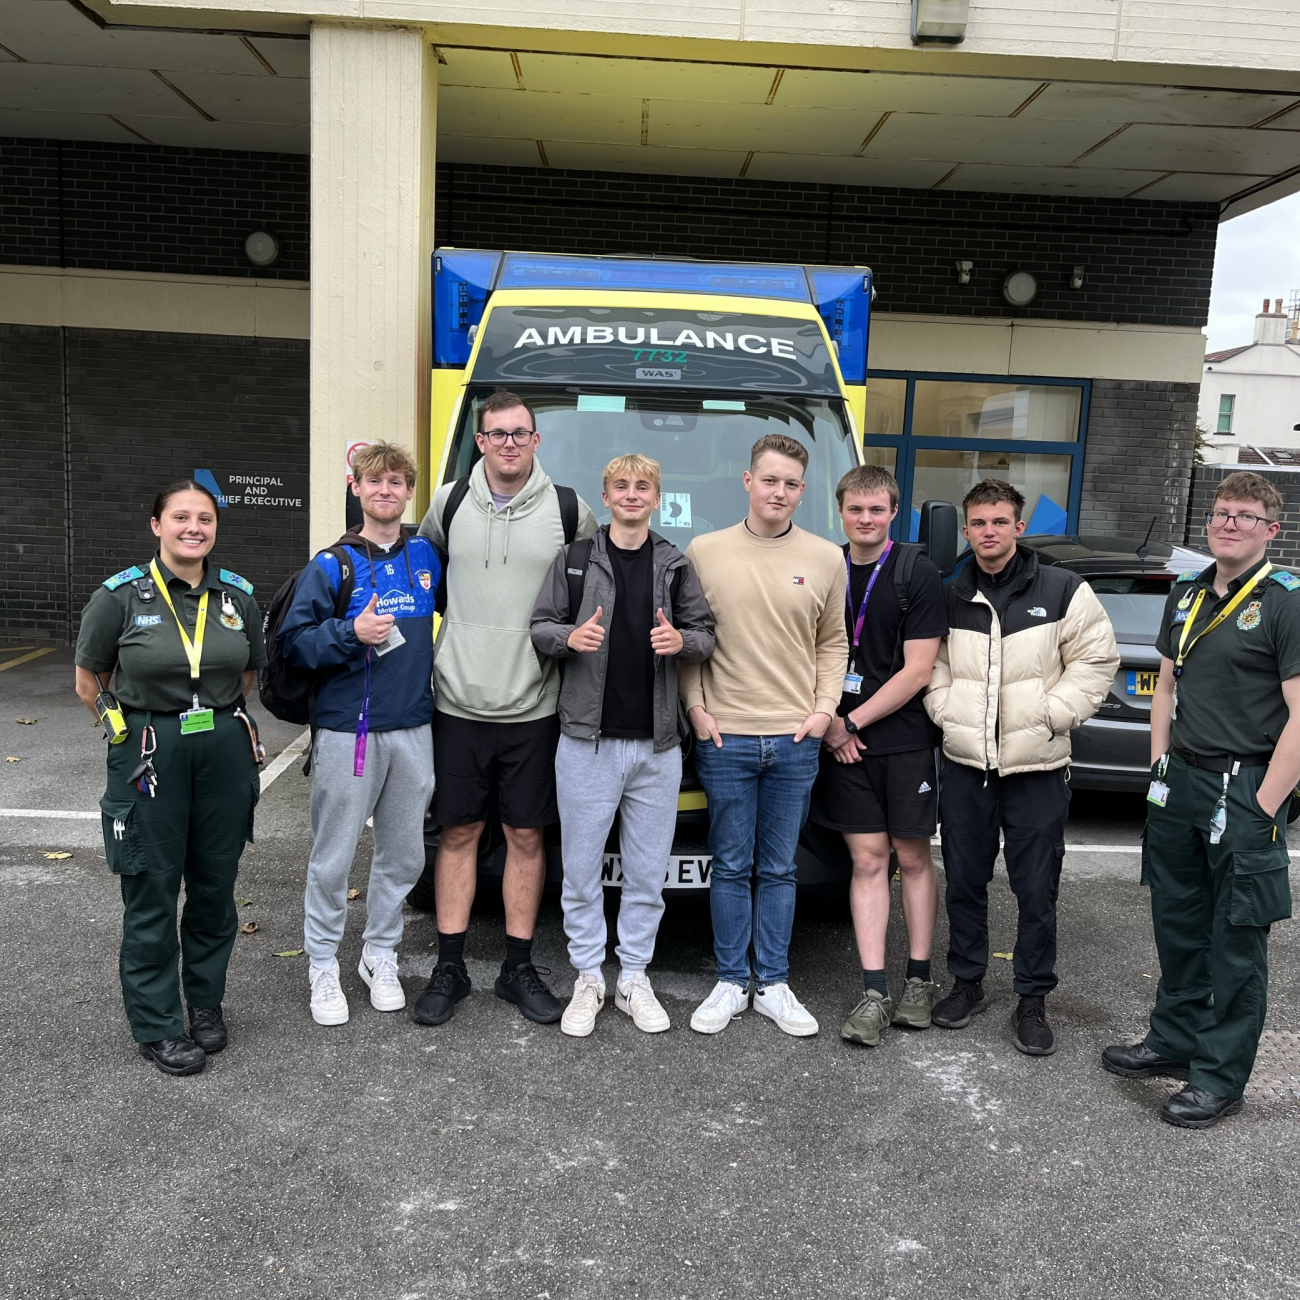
(379, 972)
(637, 998)
(720, 1008)
(328, 1005)
(579, 1017)
(778, 1003)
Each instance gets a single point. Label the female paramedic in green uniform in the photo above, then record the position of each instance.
(185, 639)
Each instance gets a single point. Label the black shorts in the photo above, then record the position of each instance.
(513, 762)
(897, 793)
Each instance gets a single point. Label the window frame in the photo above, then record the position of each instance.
(1230, 413)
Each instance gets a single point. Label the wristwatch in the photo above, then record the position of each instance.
(850, 726)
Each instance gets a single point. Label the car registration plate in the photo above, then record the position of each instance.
(681, 872)
(1142, 683)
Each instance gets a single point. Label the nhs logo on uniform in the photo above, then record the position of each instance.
(147, 620)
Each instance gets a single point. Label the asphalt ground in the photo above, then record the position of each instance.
(495, 1158)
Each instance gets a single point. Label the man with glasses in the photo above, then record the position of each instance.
(1225, 753)
(494, 724)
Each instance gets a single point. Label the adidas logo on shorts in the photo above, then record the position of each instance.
(924, 788)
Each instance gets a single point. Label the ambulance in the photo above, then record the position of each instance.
(688, 362)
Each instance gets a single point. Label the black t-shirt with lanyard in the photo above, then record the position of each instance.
(879, 653)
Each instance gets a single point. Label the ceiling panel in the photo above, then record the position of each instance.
(531, 115)
(890, 92)
(672, 162)
(753, 126)
(490, 68)
(289, 56)
(1201, 149)
(44, 87)
(63, 126)
(277, 100)
(847, 171)
(495, 151)
(45, 32)
(1093, 182)
(1198, 187)
(223, 135)
(646, 79)
(1086, 101)
(1010, 141)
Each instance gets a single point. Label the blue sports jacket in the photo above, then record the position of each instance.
(406, 580)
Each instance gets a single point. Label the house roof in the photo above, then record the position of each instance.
(1227, 352)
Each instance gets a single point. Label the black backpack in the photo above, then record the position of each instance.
(568, 502)
(287, 691)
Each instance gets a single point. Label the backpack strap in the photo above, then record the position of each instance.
(452, 504)
(904, 567)
(577, 558)
(568, 500)
(347, 580)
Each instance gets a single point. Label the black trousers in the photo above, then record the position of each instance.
(1029, 810)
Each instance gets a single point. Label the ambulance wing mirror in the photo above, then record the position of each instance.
(938, 534)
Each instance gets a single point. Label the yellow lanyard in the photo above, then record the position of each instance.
(193, 649)
(1185, 646)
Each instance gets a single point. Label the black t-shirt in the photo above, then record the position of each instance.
(628, 705)
(880, 651)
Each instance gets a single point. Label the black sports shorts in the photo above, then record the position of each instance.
(474, 760)
(897, 793)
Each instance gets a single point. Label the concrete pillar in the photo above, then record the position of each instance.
(373, 136)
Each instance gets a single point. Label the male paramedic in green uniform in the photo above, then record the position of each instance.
(1225, 749)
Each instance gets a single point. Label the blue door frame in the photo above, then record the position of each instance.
(906, 445)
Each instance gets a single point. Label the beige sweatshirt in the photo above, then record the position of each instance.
(781, 647)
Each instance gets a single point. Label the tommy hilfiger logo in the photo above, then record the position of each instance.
(798, 582)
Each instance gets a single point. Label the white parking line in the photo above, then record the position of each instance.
(296, 748)
(49, 812)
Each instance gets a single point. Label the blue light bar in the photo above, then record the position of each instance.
(462, 281)
(739, 279)
(843, 298)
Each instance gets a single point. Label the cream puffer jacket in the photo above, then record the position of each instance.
(1008, 693)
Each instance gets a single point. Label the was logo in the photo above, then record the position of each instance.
(425, 578)
(1250, 616)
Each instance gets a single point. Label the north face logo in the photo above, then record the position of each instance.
(924, 788)
(1037, 612)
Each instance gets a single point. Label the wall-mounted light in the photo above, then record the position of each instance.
(261, 248)
(1019, 289)
(941, 22)
(1076, 278)
(963, 271)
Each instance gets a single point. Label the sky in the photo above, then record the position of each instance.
(1258, 257)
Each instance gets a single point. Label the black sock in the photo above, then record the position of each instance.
(519, 952)
(918, 970)
(875, 979)
(451, 949)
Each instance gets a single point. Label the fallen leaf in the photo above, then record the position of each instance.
(249, 927)
(244, 902)
(26, 722)
(292, 952)
(353, 893)
(1006, 956)
(58, 856)
(13, 760)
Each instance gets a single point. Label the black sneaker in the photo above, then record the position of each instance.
(175, 1055)
(208, 1028)
(1034, 1035)
(525, 987)
(447, 985)
(966, 1000)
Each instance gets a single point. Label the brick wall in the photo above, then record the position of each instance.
(1138, 462)
(1205, 478)
(142, 411)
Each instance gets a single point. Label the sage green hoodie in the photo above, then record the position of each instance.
(484, 664)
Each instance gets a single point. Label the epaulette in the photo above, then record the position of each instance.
(234, 580)
(1285, 579)
(127, 575)
(1190, 576)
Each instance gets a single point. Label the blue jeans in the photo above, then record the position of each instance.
(758, 789)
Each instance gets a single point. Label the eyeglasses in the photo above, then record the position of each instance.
(498, 437)
(1245, 522)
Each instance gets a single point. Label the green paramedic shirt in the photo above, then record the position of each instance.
(119, 629)
(1230, 698)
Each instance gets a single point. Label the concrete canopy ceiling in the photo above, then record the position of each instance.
(63, 75)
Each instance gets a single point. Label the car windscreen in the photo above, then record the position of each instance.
(1133, 603)
(701, 441)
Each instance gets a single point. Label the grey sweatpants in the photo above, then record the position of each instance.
(395, 790)
(594, 781)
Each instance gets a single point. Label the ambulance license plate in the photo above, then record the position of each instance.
(682, 872)
(1142, 683)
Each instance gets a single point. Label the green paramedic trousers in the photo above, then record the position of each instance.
(194, 829)
(1211, 905)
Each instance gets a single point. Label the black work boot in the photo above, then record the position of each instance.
(525, 987)
(208, 1028)
(966, 999)
(447, 985)
(1196, 1108)
(1140, 1062)
(175, 1055)
(1034, 1035)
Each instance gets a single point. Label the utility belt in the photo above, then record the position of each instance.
(145, 777)
(128, 710)
(1223, 763)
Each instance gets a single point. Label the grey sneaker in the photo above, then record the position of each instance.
(868, 1018)
(917, 1002)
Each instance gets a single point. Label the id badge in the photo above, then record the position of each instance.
(391, 642)
(852, 683)
(1158, 793)
(196, 720)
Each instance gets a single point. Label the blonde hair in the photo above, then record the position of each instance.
(632, 465)
(383, 458)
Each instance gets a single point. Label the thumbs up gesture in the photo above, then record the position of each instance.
(587, 637)
(372, 628)
(664, 637)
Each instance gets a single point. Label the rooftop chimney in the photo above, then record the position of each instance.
(1271, 326)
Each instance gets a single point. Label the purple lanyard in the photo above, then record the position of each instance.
(363, 726)
(866, 596)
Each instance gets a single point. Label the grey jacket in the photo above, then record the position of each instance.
(583, 692)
